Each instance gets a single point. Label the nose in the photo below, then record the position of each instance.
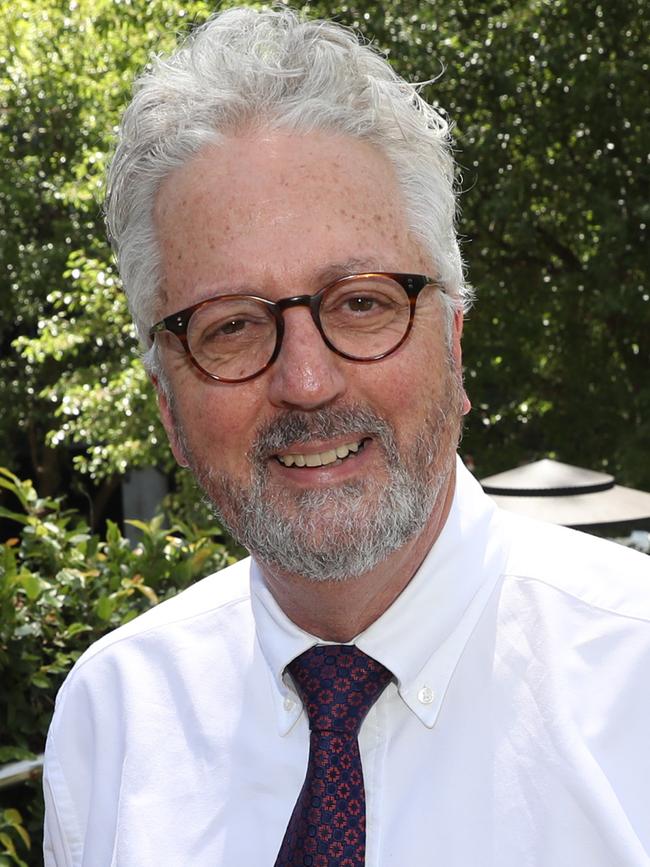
(306, 375)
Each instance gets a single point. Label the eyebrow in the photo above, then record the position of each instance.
(323, 277)
(334, 271)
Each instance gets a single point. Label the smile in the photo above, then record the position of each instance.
(321, 459)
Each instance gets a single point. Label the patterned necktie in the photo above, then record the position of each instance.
(338, 684)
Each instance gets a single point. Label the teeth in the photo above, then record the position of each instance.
(319, 459)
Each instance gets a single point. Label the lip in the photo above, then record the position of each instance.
(331, 452)
(328, 474)
(314, 447)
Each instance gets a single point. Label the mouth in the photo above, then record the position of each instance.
(335, 455)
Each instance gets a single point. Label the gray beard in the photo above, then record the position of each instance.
(338, 533)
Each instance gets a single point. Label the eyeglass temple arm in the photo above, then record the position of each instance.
(176, 323)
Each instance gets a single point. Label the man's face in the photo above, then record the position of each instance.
(276, 214)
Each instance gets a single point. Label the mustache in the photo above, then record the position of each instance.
(298, 428)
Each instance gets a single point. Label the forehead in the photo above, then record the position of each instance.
(273, 209)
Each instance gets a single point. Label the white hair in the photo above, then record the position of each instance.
(247, 68)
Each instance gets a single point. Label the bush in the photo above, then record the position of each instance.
(61, 588)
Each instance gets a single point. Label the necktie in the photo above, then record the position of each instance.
(338, 684)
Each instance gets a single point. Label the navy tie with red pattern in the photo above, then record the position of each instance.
(338, 684)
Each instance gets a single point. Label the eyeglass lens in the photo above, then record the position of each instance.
(235, 337)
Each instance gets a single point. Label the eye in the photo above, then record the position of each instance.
(360, 303)
(229, 328)
(371, 302)
(232, 327)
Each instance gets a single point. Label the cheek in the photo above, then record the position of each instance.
(399, 392)
(219, 424)
(415, 389)
(412, 377)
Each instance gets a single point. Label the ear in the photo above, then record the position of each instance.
(457, 353)
(169, 423)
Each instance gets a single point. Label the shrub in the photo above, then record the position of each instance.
(61, 588)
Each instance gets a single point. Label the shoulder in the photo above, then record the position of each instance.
(593, 571)
(217, 606)
(162, 685)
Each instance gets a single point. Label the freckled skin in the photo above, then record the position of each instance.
(255, 215)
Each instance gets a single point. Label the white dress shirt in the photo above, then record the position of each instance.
(516, 733)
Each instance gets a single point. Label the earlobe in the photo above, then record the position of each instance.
(169, 423)
(466, 406)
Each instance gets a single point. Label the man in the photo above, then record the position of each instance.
(282, 209)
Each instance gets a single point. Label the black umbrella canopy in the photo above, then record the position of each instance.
(563, 494)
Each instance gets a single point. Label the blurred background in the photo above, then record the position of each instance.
(552, 131)
(551, 125)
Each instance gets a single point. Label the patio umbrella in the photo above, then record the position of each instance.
(575, 497)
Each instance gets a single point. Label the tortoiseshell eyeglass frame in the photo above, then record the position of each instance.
(178, 323)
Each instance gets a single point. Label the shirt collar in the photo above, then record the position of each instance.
(281, 641)
(421, 637)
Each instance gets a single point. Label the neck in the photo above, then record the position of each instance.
(340, 610)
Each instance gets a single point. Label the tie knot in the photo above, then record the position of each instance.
(338, 684)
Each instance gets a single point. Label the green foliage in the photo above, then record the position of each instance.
(13, 838)
(553, 140)
(552, 137)
(70, 377)
(61, 588)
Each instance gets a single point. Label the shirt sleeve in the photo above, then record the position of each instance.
(60, 831)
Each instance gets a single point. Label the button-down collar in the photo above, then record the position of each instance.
(421, 637)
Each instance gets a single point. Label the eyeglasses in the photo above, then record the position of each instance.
(361, 317)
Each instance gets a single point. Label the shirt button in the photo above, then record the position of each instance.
(425, 695)
(289, 703)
